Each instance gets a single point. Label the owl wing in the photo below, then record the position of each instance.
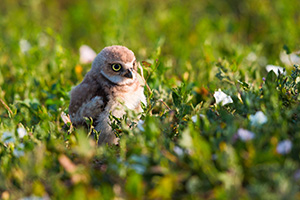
(85, 102)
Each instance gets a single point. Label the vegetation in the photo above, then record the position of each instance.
(193, 141)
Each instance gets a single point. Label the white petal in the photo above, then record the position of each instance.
(32, 197)
(7, 137)
(295, 59)
(21, 132)
(285, 58)
(245, 135)
(275, 69)
(18, 153)
(223, 98)
(140, 125)
(284, 147)
(252, 57)
(24, 45)
(227, 100)
(6, 134)
(290, 59)
(43, 40)
(178, 151)
(87, 54)
(258, 119)
(21, 146)
(194, 118)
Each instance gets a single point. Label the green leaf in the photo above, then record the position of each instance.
(176, 99)
(134, 186)
(271, 78)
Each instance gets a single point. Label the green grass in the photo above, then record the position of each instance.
(189, 148)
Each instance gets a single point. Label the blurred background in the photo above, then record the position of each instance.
(188, 32)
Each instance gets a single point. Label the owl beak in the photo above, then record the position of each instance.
(128, 74)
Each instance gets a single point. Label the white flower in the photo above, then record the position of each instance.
(140, 125)
(43, 40)
(245, 135)
(18, 153)
(290, 59)
(295, 58)
(21, 132)
(178, 150)
(7, 137)
(258, 119)
(21, 146)
(275, 69)
(24, 45)
(223, 98)
(284, 147)
(32, 197)
(194, 118)
(252, 57)
(87, 54)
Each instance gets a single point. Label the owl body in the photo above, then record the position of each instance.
(108, 88)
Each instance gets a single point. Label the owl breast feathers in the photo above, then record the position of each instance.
(111, 84)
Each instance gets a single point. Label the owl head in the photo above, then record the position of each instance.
(117, 64)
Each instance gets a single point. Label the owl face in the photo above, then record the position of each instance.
(117, 64)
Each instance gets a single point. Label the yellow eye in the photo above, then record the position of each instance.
(116, 67)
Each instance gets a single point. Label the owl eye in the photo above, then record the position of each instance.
(116, 67)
